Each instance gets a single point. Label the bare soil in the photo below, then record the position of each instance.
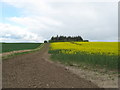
(103, 80)
(34, 70)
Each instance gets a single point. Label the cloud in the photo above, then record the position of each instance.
(12, 33)
(32, 7)
(42, 26)
(94, 21)
(35, 21)
(81, 1)
(91, 19)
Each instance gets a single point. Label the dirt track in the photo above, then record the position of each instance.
(34, 71)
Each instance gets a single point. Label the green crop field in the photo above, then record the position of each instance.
(96, 54)
(7, 47)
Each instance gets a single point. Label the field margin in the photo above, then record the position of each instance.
(20, 53)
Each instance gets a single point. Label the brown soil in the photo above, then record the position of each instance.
(103, 80)
(34, 70)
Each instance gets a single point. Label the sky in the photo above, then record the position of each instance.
(39, 20)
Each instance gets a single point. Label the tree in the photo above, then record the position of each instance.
(45, 41)
(64, 39)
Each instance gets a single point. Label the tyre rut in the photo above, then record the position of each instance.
(33, 71)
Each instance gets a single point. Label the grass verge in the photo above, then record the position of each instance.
(20, 53)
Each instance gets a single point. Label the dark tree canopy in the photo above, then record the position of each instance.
(66, 39)
(45, 41)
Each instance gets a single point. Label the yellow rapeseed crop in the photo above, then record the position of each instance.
(108, 48)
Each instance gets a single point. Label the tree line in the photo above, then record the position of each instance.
(67, 39)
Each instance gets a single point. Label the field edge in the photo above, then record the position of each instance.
(21, 53)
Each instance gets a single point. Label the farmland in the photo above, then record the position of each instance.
(96, 54)
(7, 47)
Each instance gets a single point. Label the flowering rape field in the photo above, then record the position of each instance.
(103, 54)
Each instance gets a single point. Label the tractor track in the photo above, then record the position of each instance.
(34, 70)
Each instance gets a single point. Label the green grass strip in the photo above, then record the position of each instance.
(20, 53)
(95, 60)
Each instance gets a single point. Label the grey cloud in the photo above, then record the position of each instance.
(92, 20)
(101, 26)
